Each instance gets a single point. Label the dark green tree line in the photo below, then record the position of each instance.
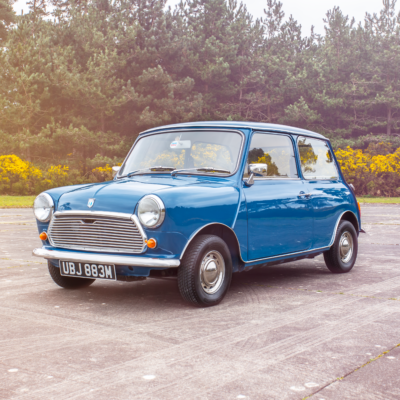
(79, 79)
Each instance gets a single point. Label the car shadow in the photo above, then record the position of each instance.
(126, 297)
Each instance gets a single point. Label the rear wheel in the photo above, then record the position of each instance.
(341, 257)
(205, 274)
(67, 282)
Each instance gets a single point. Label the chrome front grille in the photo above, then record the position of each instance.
(97, 231)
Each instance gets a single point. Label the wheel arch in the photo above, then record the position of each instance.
(351, 217)
(227, 235)
(345, 216)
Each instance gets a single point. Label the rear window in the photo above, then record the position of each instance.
(316, 159)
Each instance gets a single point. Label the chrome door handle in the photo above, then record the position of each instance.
(306, 195)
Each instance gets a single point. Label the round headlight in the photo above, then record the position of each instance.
(43, 207)
(151, 211)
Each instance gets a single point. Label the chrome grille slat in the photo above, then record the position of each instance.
(79, 223)
(96, 221)
(85, 229)
(107, 234)
(126, 249)
(72, 236)
(94, 224)
(108, 226)
(95, 240)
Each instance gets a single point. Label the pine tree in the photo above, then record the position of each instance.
(208, 51)
(7, 17)
(78, 87)
(38, 8)
(384, 70)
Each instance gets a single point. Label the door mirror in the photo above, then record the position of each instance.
(257, 169)
(250, 180)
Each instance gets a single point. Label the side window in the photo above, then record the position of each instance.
(271, 156)
(317, 162)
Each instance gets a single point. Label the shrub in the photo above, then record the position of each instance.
(375, 172)
(17, 176)
(103, 173)
(20, 177)
(370, 172)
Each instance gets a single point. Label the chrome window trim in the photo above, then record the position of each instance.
(252, 127)
(94, 214)
(272, 257)
(276, 179)
(316, 179)
(240, 154)
(133, 261)
(161, 206)
(294, 155)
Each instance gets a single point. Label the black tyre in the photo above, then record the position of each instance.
(205, 274)
(67, 282)
(341, 257)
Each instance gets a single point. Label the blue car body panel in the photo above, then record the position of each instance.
(279, 221)
(270, 222)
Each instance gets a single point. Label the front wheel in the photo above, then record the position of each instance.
(67, 282)
(205, 274)
(341, 257)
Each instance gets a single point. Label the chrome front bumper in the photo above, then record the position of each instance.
(132, 261)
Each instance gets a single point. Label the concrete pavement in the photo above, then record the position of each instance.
(285, 332)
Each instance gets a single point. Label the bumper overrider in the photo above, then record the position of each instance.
(133, 261)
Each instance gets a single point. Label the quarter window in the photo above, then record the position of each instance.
(271, 156)
(316, 159)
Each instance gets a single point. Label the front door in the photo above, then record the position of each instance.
(280, 215)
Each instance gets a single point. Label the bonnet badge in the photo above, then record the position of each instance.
(90, 203)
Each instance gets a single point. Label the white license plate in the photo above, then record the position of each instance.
(88, 270)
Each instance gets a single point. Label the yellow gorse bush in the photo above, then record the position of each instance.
(21, 177)
(17, 175)
(103, 173)
(12, 169)
(370, 173)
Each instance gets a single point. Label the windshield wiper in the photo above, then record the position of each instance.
(202, 169)
(156, 168)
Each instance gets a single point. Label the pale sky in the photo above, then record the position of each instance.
(306, 12)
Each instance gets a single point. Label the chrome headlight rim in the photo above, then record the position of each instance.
(161, 209)
(51, 207)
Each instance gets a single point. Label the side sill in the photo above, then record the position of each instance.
(286, 257)
(106, 258)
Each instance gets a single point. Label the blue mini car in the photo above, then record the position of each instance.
(201, 201)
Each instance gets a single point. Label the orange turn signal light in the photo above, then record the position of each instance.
(359, 207)
(43, 236)
(151, 243)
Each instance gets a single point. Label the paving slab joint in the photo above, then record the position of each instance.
(351, 372)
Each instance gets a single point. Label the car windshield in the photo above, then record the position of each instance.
(201, 152)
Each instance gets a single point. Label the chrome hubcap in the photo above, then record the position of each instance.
(212, 272)
(346, 247)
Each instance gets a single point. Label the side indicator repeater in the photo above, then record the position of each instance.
(151, 243)
(43, 236)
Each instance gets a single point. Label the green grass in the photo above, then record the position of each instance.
(16, 201)
(382, 200)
